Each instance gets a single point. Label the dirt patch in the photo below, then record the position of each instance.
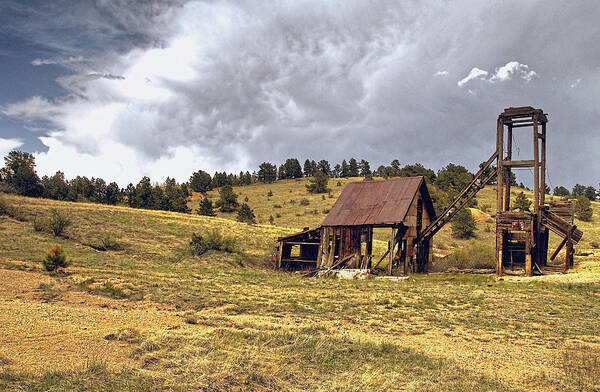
(70, 331)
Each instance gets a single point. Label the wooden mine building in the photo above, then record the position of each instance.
(403, 205)
(345, 238)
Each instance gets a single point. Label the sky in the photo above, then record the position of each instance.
(121, 89)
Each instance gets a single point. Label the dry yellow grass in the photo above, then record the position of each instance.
(229, 322)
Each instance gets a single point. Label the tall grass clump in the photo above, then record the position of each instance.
(475, 256)
(55, 258)
(212, 240)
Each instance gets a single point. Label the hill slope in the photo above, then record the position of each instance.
(149, 316)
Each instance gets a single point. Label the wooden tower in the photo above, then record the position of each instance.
(522, 237)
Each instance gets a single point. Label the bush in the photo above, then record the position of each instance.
(271, 219)
(5, 208)
(463, 224)
(594, 245)
(213, 240)
(477, 256)
(55, 258)
(57, 222)
(583, 209)
(245, 214)
(277, 206)
(521, 203)
(107, 242)
(38, 224)
(270, 193)
(304, 202)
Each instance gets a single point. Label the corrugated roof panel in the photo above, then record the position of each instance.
(374, 202)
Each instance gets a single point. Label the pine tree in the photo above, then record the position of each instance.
(365, 169)
(318, 183)
(201, 182)
(353, 170)
(227, 199)
(463, 224)
(245, 214)
(205, 208)
(521, 203)
(267, 172)
(583, 209)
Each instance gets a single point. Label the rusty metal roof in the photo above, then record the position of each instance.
(379, 202)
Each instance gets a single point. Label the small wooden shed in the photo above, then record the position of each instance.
(345, 238)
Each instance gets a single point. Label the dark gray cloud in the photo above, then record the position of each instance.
(242, 82)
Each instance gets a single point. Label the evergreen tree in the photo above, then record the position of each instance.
(292, 168)
(318, 183)
(281, 173)
(227, 199)
(353, 170)
(177, 200)
(453, 178)
(309, 169)
(578, 190)
(113, 194)
(99, 194)
(365, 169)
(395, 164)
(344, 170)
(418, 170)
(590, 193)
(267, 172)
(337, 171)
(80, 188)
(521, 203)
(324, 167)
(201, 182)
(56, 187)
(583, 209)
(19, 173)
(245, 214)
(205, 207)
(561, 191)
(130, 194)
(463, 224)
(143, 194)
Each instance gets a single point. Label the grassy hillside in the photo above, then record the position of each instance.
(151, 317)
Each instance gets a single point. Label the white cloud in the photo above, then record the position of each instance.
(501, 74)
(7, 145)
(65, 61)
(475, 73)
(511, 69)
(576, 83)
(441, 73)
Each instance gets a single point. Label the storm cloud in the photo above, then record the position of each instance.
(226, 85)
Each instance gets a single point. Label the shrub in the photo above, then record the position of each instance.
(278, 215)
(304, 202)
(277, 206)
(270, 193)
(212, 240)
(594, 245)
(326, 210)
(476, 256)
(38, 224)
(107, 242)
(322, 197)
(57, 222)
(292, 201)
(55, 258)
(5, 208)
(339, 183)
(463, 224)
(245, 214)
(583, 209)
(271, 219)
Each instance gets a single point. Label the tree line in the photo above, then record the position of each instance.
(19, 176)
